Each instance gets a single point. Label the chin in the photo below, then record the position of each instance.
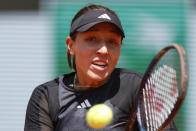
(99, 77)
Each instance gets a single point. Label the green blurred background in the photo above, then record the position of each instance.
(33, 51)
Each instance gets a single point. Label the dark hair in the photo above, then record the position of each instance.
(73, 36)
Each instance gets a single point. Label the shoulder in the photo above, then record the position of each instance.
(48, 84)
(129, 82)
(43, 91)
(52, 85)
(39, 104)
(129, 79)
(127, 74)
(46, 95)
(48, 89)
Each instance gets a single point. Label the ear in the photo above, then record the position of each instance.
(70, 43)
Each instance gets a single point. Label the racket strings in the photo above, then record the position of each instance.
(159, 96)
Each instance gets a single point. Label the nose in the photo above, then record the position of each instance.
(103, 50)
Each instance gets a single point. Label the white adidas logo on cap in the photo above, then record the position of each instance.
(104, 16)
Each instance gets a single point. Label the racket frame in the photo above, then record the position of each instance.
(182, 93)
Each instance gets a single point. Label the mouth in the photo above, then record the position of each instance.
(99, 65)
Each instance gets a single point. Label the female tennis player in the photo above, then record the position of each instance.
(93, 49)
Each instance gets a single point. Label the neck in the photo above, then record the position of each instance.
(78, 85)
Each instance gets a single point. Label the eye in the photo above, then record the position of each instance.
(113, 42)
(91, 39)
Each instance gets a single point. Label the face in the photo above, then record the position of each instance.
(96, 53)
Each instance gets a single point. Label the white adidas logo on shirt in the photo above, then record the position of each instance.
(104, 16)
(84, 104)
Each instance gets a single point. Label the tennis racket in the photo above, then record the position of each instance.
(162, 90)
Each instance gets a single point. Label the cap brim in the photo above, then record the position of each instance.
(88, 26)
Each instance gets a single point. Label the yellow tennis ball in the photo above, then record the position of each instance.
(99, 116)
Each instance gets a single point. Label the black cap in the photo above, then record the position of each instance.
(93, 17)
